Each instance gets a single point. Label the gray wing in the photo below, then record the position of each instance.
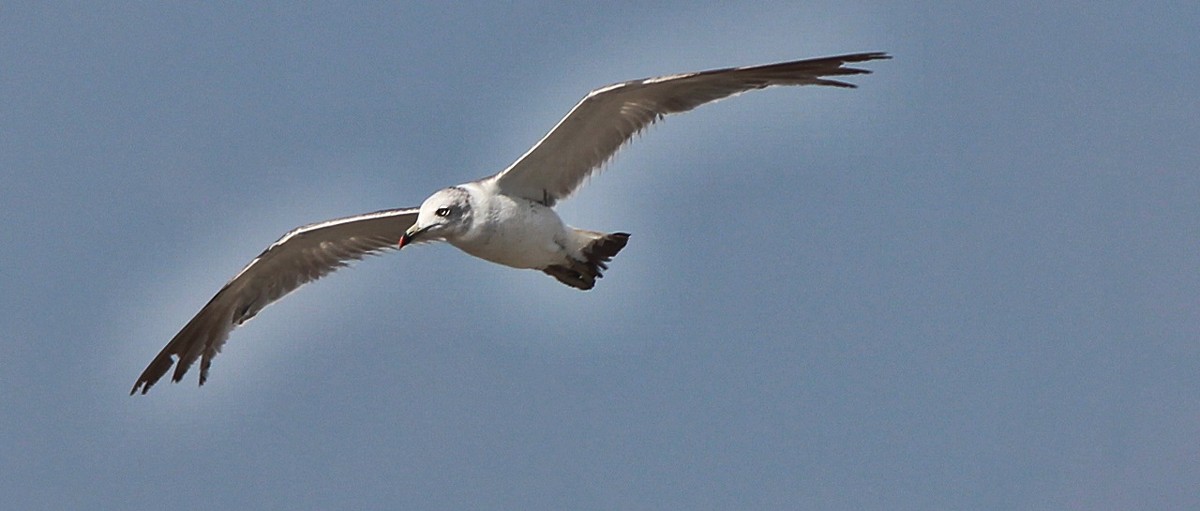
(303, 255)
(608, 117)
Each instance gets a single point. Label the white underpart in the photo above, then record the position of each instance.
(516, 231)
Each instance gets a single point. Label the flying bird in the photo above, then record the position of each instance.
(507, 218)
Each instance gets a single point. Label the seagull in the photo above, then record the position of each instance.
(507, 218)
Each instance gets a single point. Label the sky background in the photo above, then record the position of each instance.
(969, 284)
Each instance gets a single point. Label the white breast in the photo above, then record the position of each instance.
(513, 231)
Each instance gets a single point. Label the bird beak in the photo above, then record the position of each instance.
(408, 236)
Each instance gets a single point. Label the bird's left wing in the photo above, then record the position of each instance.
(608, 117)
(303, 255)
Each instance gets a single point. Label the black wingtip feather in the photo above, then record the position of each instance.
(154, 372)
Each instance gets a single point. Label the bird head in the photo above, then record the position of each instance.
(443, 215)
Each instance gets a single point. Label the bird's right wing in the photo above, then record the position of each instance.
(303, 255)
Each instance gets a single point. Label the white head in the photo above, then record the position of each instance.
(443, 215)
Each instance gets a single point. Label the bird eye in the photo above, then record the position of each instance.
(442, 212)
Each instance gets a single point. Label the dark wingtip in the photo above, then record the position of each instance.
(836, 83)
(155, 371)
(843, 71)
(142, 385)
(865, 56)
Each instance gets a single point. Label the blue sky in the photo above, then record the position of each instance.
(969, 284)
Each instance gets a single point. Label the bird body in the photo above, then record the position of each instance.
(512, 231)
(482, 220)
(507, 218)
(519, 233)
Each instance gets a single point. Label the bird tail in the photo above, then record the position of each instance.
(598, 249)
